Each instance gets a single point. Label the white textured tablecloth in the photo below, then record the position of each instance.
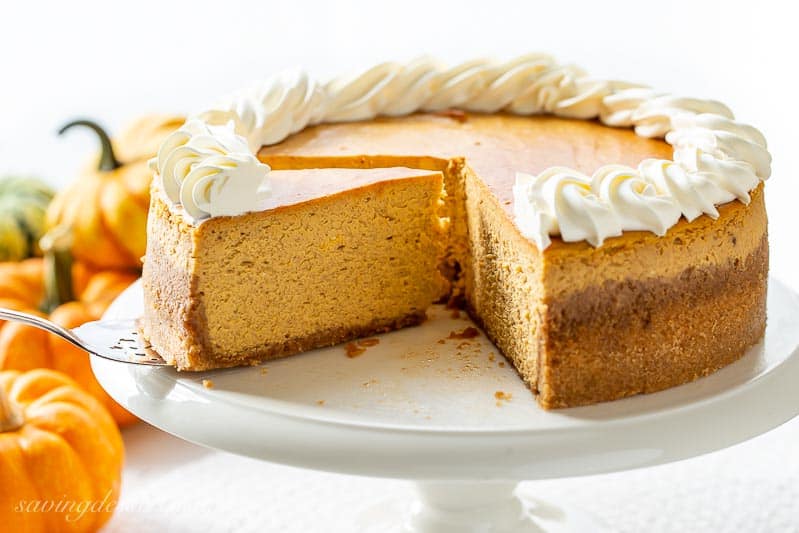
(171, 485)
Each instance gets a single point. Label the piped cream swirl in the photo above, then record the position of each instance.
(388, 89)
(560, 201)
(655, 116)
(693, 193)
(635, 200)
(211, 171)
(618, 107)
(271, 111)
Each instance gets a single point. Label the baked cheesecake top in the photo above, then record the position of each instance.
(494, 145)
(209, 165)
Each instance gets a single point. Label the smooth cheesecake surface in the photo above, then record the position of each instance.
(495, 146)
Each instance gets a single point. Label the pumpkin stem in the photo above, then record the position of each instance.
(56, 245)
(108, 160)
(11, 418)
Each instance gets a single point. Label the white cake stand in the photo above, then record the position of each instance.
(451, 415)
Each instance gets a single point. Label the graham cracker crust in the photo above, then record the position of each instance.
(641, 336)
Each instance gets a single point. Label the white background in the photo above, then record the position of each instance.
(114, 61)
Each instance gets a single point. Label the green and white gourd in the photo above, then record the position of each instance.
(23, 203)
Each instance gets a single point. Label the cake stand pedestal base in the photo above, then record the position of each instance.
(490, 507)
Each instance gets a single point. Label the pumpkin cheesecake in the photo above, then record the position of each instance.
(611, 240)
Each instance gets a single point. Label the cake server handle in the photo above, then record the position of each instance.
(41, 323)
(116, 340)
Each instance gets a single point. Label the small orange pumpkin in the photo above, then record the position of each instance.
(61, 455)
(107, 206)
(143, 137)
(42, 286)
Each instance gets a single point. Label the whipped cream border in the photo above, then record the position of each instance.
(209, 166)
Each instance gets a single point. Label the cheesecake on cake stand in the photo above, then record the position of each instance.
(483, 273)
(610, 239)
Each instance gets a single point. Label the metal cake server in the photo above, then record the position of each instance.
(117, 340)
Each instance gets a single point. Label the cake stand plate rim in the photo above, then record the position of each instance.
(590, 446)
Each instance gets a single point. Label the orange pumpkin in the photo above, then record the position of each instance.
(61, 455)
(107, 206)
(26, 285)
(143, 137)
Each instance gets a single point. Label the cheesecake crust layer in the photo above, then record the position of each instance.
(629, 337)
